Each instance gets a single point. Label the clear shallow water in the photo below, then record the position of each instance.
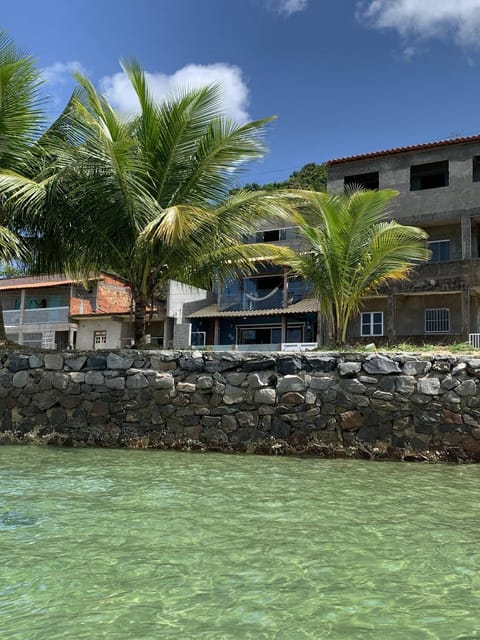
(150, 545)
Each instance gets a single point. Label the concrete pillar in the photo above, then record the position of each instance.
(391, 324)
(71, 332)
(465, 310)
(466, 238)
(284, 329)
(21, 316)
(216, 331)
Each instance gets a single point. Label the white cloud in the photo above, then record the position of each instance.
(423, 19)
(234, 91)
(287, 7)
(61, 72)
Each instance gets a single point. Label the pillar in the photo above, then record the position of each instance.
(466, 238)
(465, 310)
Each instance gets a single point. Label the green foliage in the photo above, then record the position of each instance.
(311, 176)
(149, 197)
(352, 250)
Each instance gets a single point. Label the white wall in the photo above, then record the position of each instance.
(178, 295)
(87, 327)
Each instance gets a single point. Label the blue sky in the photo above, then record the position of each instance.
(343, 76)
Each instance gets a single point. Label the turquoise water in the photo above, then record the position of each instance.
(152, 545)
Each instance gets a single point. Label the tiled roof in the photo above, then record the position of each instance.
(416, 147)
(33, 282)
(308, 305)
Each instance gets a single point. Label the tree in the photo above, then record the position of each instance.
(20, 121)
(352, 250)
(311, 176)
(148, 197)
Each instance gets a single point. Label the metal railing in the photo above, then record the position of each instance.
(474, 340)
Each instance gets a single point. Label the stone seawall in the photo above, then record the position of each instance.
(350, 405)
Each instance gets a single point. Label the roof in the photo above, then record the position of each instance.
(308, 305)
(396, 150)
(33, 282)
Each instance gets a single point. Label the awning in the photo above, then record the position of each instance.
(308, 305)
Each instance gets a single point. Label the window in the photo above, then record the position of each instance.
(365, 180)
(99, 339)
(476, 169)
(437, 320)
(372, 323)
(440, 250)
(429, 176)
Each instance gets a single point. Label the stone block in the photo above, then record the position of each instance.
(20, 378)
(119, 361)
(380, 365)
(265, 396)
(54, 361)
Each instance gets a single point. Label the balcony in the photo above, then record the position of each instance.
(48, 315)
(451, 275)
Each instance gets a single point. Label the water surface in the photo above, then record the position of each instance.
(147, 545)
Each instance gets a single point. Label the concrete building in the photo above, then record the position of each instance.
(267, 311)
(439, 190)
(57, 312)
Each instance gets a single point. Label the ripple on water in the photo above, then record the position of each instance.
(146, 544)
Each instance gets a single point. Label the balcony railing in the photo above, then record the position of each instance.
(36, 316)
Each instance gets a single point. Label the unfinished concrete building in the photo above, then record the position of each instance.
(439, 190)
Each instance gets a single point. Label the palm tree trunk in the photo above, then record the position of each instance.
(140, 321)
(3, 335)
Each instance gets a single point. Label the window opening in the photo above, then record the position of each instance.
(365, 180)
(429, 176)
(437, 320)
(440, 250)
(372, 323)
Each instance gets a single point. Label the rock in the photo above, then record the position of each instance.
(466, 388)
(36, 361)
(75, 364)
(265, 396)
(258, 365)
(292, 398)
(320, 383)
(235, 379)
(137, 381)
(19, 363)
(94, 377)
(204, 382)
(115, 383)
(45, 400)
(405, 385)
(353, 386)
(319, 363)
(380, 365)
(233, 395)
(186, 387)
(350, 420)
(349, 369)
(163, 381)
(288, 365)
(97, 362)
(118, 361)
(416, 367)
(290, 383)
(61, 381)
(429, 386)
(20, 379)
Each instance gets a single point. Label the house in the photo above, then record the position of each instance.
(439, 190)
(263, 311)
(58, 312)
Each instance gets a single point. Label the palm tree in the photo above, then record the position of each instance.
(20, 121)
(352, 249)
(148, 196)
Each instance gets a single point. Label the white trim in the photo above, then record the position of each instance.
(439, 319)
(371, 324)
